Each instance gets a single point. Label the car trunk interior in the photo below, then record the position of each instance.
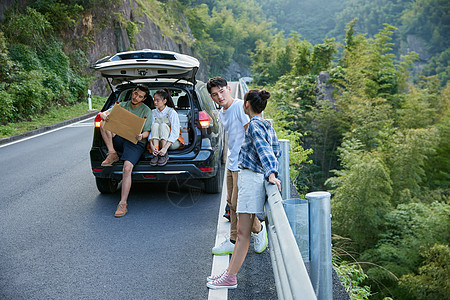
(183, 108)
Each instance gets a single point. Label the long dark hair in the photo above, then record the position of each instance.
(258, 99)
(165, 94)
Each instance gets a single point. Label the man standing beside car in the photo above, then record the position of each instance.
(131, 152)
(235, 122)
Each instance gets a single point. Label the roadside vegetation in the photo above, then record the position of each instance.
(52, 116)
(375, 134)
(379, 144)
(36, 75)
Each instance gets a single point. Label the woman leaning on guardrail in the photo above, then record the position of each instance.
(257, 163)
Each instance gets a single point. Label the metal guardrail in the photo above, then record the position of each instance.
(243, 87)
(284, 169)
(291, 278)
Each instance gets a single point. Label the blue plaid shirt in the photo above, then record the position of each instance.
(260, 149)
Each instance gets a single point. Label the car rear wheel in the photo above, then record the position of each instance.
(214, 185)
(106, 185)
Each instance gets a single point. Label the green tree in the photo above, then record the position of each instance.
(437, 165)
(272, 60)
(39, 74)
(361, 194)
(225, 31)
(431, 282)
(406, 152)
(407, 229)
(417, 109)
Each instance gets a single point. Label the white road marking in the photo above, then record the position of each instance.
(220, 263)
(46, 132)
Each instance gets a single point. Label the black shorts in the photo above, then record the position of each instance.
(131, 152)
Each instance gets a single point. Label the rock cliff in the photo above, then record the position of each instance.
(414, 43)
(114, 38)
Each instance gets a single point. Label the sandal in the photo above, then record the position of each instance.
(121, 210)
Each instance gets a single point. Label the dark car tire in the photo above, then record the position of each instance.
(106, 185)
(213, 185)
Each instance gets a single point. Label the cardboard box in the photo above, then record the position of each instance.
(124, 123)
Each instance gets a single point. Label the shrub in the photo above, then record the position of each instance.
(30, 28)
(432, 281)
(29, 96)
(6, 64)
(24, 55)
(7, 109)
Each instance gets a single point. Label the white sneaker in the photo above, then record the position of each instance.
(260, 243)
(225, 248)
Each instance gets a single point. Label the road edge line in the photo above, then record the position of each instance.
(40, 131)
(220, 263)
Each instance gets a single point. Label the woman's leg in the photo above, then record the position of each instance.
(244, 227)
(163, 143)
(175, 145)
(164, 132)
(155, 143)
(155, 135)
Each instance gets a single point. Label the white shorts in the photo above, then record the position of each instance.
(251, 192)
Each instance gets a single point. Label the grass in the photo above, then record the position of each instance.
(53, 116)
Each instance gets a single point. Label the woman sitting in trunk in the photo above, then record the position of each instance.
(165, 132)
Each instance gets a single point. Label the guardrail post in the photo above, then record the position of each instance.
(284, 169)
(297, 214)
(320, 244)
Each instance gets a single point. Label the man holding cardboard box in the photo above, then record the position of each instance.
(131, 149)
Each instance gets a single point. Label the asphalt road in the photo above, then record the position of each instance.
(59, 239)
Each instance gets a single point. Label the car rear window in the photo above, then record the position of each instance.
(179, 96)
(143, 55)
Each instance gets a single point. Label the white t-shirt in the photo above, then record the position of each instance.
(233, 120)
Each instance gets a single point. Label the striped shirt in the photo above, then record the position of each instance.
(260, 149)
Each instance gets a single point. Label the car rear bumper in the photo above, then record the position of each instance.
(203, 166)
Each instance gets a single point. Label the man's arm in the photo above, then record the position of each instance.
(143, 135)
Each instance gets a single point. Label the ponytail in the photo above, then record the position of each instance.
(257, 99)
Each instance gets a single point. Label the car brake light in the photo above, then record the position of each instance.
(207, 169)
(98, 120)
(205, 119)
(97, 170)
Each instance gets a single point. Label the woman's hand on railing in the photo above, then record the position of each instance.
(274, 180)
